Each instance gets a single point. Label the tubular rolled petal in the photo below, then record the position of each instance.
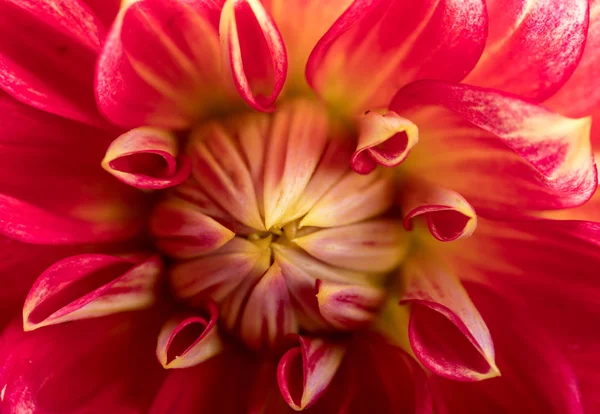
(305, 371)
(449, 216)
(385, 138)
(446, 332)
(254, 51)
(147, 158)
(182, 230)
(90, 286)
(188, 340)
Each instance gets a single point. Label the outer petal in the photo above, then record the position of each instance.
(378, 45)
(446, 331)
(552, 165)
(54, 74)
(147, 158)
(533, 46)
(254, 49)
(188, 340)
(101, 365)
(89, 286)
(315, 361)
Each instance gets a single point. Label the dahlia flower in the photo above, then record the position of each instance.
(343, 206)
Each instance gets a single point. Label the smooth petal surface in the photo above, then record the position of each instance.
(533, 46)
(378, 45)
(254, 51)
(88, 286)
(449, 216)
(182, 230)
(305, 371)
(446, 332)
(384, 138)
(88, 367)
(551, 167)
(188, 340)
(56, 74)
(173, 77)
(371, 246)
(146, 158)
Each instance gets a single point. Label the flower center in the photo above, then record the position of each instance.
(277, 229)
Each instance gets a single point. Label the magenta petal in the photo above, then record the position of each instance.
(147, 158)
(255, 52)
(89, 286)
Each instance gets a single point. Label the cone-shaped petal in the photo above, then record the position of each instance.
(147, 158)
(449, 216)
(254, 51)
(305, 371)
(371, 246)
(188, 340)
(384, 138)
(349, 307)
(89, 286)
(182, 230)
(446, 332)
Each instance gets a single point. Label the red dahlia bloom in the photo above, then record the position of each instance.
(351, 206)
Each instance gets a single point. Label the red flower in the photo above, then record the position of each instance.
(240, 206)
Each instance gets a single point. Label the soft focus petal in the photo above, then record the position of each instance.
(377, 46)
(446, 332)
(188, 340)
(533, 46)
(146, 158)
(47, 55)
(550, 165)
(305, 371)
(89, 286)
(254, 51)
(97, 366)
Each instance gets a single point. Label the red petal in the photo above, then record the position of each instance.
(89, 286)
(378, 45)
(255, 50)
(533, 46)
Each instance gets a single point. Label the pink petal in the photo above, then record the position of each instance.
(305, 371)
(56, 74)
(173, 77)
(533, 46)
(146, 158)
(183, 231)
(449, 216)
(268, 315)
(370, 246)
(106, 10)
(378, 45)
(89, 286)
(105, 365)
(254, 49)
(347, 306)
(552, 165)
(384, 138)
(188, 340)
(446, 332)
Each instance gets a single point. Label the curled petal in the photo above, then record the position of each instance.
(147, 158)
(449, 216)
(269, 315)
(255, 52)
(354, 198)
(182, 230)
(446, 332)
(384, 138)
(89, 286)
(347, 306)
(187, 340)
(371, 246)
(305, 371)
